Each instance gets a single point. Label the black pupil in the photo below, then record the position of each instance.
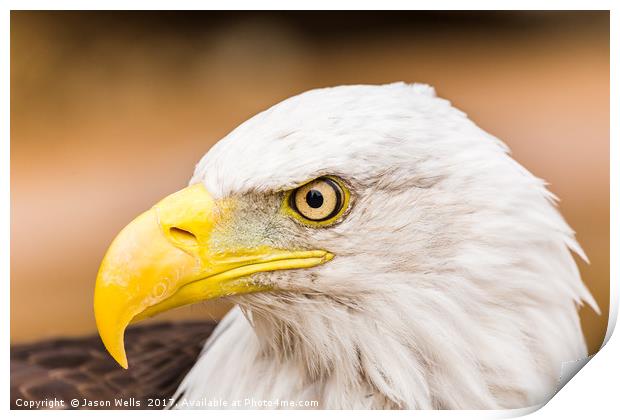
(314, 199)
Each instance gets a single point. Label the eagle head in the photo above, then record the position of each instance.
(373, 236)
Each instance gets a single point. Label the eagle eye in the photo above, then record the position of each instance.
(319, 202)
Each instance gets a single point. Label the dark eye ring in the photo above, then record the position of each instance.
(319, 201)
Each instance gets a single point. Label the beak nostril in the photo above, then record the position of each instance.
(183, 236)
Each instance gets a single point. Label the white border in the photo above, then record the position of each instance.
(309, 5)
(591, 393)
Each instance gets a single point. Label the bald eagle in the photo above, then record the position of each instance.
(382, 251)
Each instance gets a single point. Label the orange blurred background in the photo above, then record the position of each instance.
(110, 111)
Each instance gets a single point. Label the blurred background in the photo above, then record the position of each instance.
(110, 111)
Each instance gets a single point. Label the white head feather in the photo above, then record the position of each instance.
(453, 284)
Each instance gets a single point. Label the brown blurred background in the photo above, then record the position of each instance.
(111, 110)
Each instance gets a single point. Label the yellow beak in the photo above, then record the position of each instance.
(165, 259)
